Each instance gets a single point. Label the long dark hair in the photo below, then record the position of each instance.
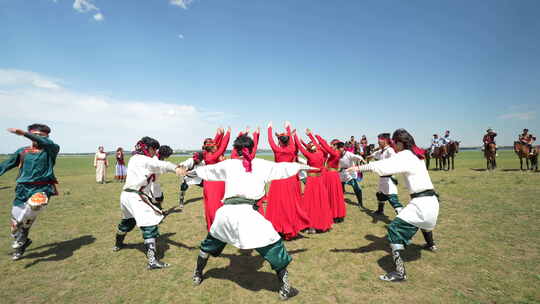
(406, 139)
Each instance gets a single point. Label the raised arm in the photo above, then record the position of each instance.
(216, 172)
(224, 143)
(300, 146)
(271, 139)
(10, 163)
(327, 147)
(44, 143)
(256, 136)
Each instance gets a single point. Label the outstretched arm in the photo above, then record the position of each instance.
(256, 135)
(216, 172)
(10, 163)
(42, 141)
(327, 147)
(389, 166)
(300, 146)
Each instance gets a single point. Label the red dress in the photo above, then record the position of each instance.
(213, 191)
(283, 209)
(332, 180)
(315, 198)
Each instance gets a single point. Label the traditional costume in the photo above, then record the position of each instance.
(421, 212)
(101, 164)
(348, 159)
(190, 164)
(213, 190)
(315, 199)
(283, 209)
(137, 202)
(387, 184)
(120, 165)
(35, 184)
(332, 179)
(237, 222)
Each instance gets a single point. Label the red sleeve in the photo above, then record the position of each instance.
(223, 144)
(271, 141)
(218, 137)
(255, 144)
(303, 143)
(234, 154)
(300, 147)
(327, 147)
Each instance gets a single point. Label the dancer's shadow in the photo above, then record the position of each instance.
(479, 169)
(243, 269)
(175, 209)
(412, 253)
(349, 202)
(164, 243)
(375, 218)
(57, 251)
(512, 170)
(4, 187)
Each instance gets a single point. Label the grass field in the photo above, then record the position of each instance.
(488, 234)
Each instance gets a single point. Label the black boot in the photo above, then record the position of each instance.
(181, 200)
(202, 259)
(119, 243)
(380, 209)
(286, 291)
(399, 274)
(20, 237)
(430, 244)
(153, 262)
(20, 250)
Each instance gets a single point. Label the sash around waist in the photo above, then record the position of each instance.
(429, 192)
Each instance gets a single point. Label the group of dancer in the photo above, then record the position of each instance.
(234, 191)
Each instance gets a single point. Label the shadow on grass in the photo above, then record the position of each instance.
(176, 209)
(243, 269)
(4, 187)
(479, 169)
(413, 252)
(58, 251)
(375, 218)
(349, 202)
(514, 170)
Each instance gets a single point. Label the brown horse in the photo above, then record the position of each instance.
(522, 151)
(490, 153)
(453, 149)
(441, 156)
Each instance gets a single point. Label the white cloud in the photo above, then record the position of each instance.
(99, 17)
(82, 121)
(180, 36)
(181, 3)
(84, 6)
(520, 116)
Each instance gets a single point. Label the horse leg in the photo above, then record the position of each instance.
(521, 163)
(453, 163)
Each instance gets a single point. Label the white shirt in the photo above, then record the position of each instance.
(348, 160)
(140, 169)
(192, 178)
(250, 185)
(405, 162)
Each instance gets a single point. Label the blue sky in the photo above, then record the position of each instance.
(110, 72)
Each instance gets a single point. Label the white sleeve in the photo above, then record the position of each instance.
(356, 158)
(377, 154)
(188, 163)
(389, 166)
(160, 167)
(283, 170)
(216, 172)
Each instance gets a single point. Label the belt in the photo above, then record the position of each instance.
(394, 180)
(236, 200)
(314, 174)
(429, 192)
(332, 169)
(146, 199)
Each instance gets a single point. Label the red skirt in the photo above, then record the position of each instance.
(335, 194)
(213, 195)
(315, 202)
(284, 210)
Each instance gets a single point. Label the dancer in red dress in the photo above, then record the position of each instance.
(283, 209)
(315, 198)
(331, 177)
(213, 191)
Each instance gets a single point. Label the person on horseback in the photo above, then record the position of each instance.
(435, 142)
(489, 138)
(527, 139)
(446, 139)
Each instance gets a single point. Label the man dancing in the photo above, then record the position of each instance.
(192, 179)
(423, 209)
(136, 200)
(387, 184)
(35, 183)
(237, 222)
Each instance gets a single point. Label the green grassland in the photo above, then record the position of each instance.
(488, 234)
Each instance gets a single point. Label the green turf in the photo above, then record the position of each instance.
(488, 235)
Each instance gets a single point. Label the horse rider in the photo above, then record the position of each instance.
(527, 139)
(445, 140)
(489, 138)
(435, 142)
